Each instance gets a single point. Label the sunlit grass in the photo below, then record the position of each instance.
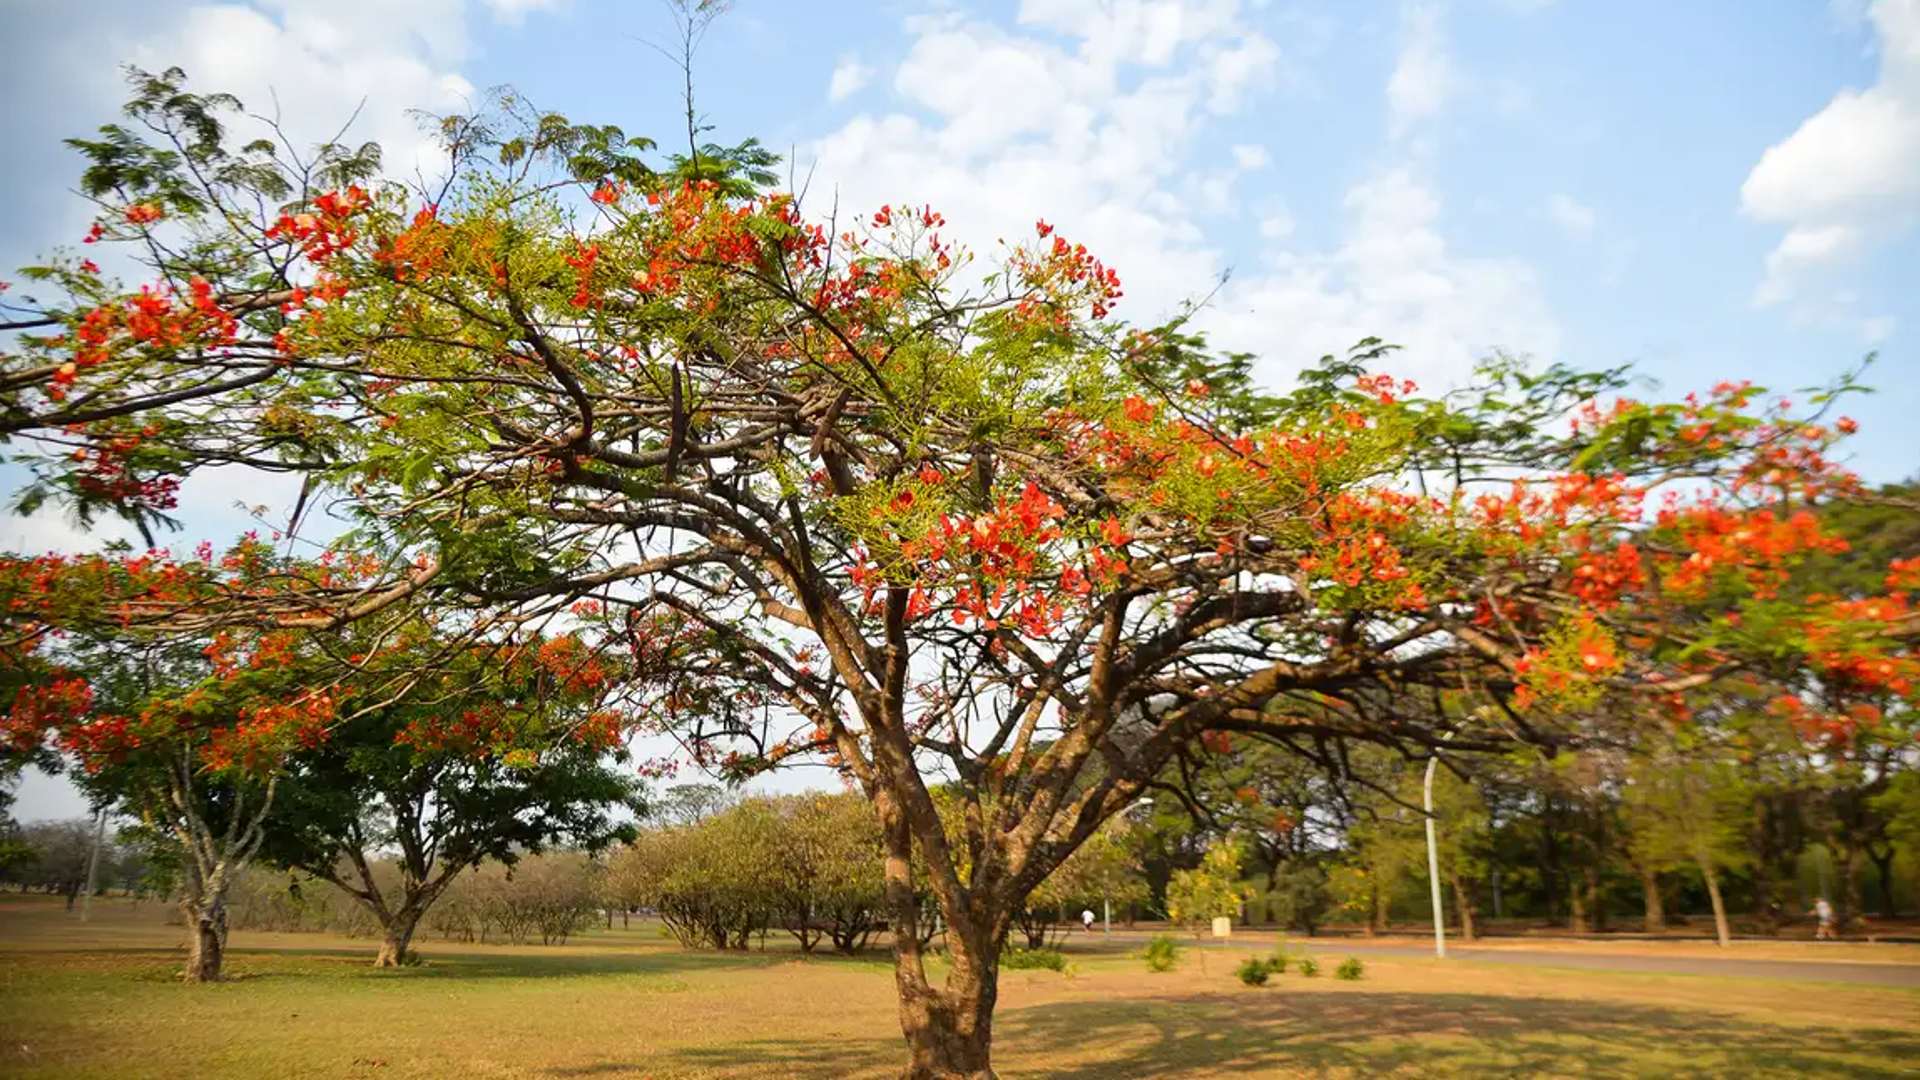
(100, 1001)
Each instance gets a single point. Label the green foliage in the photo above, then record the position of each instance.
(1019, 959)
(1683, 808)
(1253, 971)
(1103, 869)
(1196, 897)
(1163, 952)
(1308, 966)
(1350, 969)
(806, 864)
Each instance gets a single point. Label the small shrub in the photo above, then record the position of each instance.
(1253, 971)
(1349, 969)
(1162, 953)
(1017, 959)
(1309, 966)
(1277, 963)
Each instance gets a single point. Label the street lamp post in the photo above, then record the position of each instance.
(1433, 861)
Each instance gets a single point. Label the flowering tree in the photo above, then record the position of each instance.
(202, 696)
(834, 490)
(499, 755)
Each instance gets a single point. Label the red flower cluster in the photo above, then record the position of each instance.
(327, 230)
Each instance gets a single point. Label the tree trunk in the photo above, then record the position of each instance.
(206, 940)
(1577, 909)
(396, 949)
(1883, 865)
(949, 1030)
(1596, 905)
(1656, 919)
(1849, 887)
(1720, 929)
(1463, 906)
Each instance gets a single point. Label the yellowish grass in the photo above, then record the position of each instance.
(98, 1001)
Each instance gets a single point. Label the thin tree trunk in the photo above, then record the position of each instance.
(1656, 919)
(1463, 906)
(1849, 890)
(1883, 866)
(1720, 929)
(1577, 909)
(1596, 906)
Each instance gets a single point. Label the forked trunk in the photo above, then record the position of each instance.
(1882, 859)
(396, 949)
(1656, 919)
(950, 1030)
(206, 941)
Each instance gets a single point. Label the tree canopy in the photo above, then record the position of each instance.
(841, 490)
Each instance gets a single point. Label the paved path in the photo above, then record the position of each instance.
(1868, 973)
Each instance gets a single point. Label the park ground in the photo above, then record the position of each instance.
(99, 1000)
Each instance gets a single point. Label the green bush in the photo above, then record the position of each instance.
(1253, 971)
(1349, 969)
(1309, 966)
(1018, 959)
(1162, 953)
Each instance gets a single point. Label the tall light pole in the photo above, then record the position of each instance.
(93, 861)
(1433, 861)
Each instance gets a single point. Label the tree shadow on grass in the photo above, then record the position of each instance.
(1370, 1033)
(1264, 1033)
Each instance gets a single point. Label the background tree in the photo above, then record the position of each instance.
(1685, 809)
(500, 755)
(55, 856)
(1209, 891)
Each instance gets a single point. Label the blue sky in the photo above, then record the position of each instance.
(1707, 190)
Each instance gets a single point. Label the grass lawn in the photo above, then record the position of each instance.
(99, 1000)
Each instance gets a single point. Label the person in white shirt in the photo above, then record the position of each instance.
(1824, 912)
(1086, 919)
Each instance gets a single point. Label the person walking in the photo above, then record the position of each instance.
(1824, 912)
(1086, 919)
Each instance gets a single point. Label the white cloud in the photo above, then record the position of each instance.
(1423, 79)
(849, 76)
(1092, 124)
(1847, 177)
(315, 65)
(1392, 275)
(1575, 218)
(512, 12)
(1068, 115)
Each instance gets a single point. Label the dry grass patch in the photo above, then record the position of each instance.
(98, 1001)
